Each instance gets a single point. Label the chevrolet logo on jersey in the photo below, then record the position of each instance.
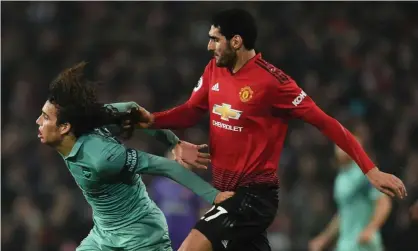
(226, 112)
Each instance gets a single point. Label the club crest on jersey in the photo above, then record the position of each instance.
(86, 172)
(245, 94)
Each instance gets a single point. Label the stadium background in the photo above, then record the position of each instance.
(357, 60)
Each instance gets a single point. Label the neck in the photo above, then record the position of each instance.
(242, 58)
(66, 145)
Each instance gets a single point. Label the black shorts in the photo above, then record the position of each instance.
(240, 222)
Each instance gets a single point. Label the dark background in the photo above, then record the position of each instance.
(358, 61)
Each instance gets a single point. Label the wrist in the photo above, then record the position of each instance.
(151, 121)
(174, 145)
(372, 170)
(371, 228)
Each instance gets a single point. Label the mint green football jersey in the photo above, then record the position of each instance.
(109, 176)
(356, 199)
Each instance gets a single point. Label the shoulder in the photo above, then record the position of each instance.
(270, 73)
(212, 64)
(100, 150)
(204, 78)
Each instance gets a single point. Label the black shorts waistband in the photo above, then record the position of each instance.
(259, 187)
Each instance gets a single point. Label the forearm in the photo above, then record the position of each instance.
(381, 212)
(164, 167)
(166, 137)
(331, 128)
(331, 231)
(180, 117)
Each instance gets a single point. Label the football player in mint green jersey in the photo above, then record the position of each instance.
(361, 211)
(107, 172)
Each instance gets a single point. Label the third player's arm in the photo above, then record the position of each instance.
(327, 236)
(331, 231)
(382, 208)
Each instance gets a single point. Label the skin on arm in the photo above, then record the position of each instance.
(328, 235)
(382, 209)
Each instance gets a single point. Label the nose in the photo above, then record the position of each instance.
(211, 46)
(38, 120)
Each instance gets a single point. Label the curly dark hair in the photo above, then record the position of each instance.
(75, 99)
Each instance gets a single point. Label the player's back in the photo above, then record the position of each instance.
(117, 200)
(248, 123)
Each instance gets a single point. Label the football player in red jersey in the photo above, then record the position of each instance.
(250, 103)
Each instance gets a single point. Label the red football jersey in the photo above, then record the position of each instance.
(249, 113)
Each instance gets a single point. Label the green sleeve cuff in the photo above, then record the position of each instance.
(166, 137)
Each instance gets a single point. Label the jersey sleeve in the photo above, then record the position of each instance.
(116, 159)
(290, 98)
(166, 137)
(189, 113)
(155, 165)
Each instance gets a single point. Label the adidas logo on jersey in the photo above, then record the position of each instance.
(215, 87)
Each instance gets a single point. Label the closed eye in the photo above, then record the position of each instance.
(44, 115)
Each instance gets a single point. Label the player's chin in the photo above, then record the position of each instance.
(220, 63)
(43, 140)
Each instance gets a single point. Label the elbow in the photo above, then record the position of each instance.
(318, 118)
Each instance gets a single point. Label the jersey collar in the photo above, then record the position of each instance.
(248, 65)
(76, 147)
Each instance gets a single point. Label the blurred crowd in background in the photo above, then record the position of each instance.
(358, 61)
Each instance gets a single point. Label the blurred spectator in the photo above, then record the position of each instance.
(357, 60)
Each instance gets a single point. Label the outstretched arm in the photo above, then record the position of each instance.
(116, 159)
(165, 136)
(298, 104)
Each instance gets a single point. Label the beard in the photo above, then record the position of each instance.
(228, 59)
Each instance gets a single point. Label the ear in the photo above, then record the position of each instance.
(236, 42)
(65, 128)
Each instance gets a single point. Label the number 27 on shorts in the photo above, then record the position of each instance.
(209, 215)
